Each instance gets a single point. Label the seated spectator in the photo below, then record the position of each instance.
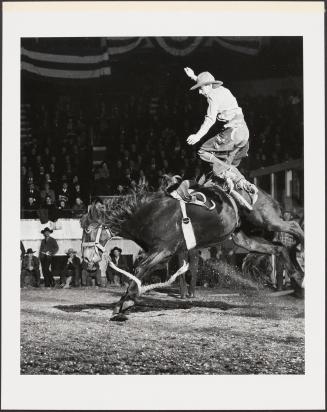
(46, 155)
(40, 176)
(104, 170)
(30, 273)
(79, 208)
(63, 211)
(143, 181)
(114, 277)
(53, 172)
(120, 191)
(75, 180)
(77, 192)
(48, 179)
(46, 191)
(48, 211)
(133, 188)
(30, 208)
(64, 193)
(71, 272)
(91, 272)
(126, 180)
(32, 192)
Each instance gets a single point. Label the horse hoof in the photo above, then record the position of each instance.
(120, 317)
(127, 305)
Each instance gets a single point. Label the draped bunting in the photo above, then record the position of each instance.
(94, 61)
(120, 45)
(65, 65)
(245, 45)
(179, 46)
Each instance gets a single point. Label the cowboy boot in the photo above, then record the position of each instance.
(241, 183)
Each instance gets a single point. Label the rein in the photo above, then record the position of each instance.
(96, 244)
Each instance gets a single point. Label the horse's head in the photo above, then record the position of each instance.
(94, 240)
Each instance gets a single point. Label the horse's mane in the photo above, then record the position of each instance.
(120, 211)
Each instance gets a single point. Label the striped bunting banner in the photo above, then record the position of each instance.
(65, 66)
(87, 58)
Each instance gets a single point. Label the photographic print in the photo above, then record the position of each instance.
(120, 137)
(162, 201)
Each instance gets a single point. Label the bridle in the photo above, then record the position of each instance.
(96, 244)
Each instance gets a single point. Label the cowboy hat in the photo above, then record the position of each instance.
(116, 248)
(29, 250)
(204, 79)
(70, 250)
(46, 229)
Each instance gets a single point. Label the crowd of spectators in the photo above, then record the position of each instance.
(145, 138)
(151, 141)
(55, 165)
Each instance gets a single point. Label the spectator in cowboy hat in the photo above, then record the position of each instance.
(71, 272)
(30, 269)
(114, 277)
(49, 247)
(91, 272)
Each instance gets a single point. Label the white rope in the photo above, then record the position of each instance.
(143, 289)
(172, 279)
(129, 275)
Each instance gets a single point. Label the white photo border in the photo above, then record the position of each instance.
(106, 19)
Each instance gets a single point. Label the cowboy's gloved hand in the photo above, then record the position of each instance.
(193, 138)
(190, 73)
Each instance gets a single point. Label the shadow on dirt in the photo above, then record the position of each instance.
(150, 305)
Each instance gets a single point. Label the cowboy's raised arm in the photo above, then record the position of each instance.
(190, 73)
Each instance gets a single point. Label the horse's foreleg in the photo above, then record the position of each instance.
(133, 291)
(266, 247)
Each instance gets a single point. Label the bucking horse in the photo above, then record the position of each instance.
(156, 222)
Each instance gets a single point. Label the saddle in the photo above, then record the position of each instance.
(187, 194)
(184, 193)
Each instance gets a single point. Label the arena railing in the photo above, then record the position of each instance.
(285, 183)
(67, 214)
(282, 180)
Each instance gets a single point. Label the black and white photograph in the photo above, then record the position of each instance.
(163, 184)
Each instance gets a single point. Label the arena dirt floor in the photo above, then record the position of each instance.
(69, 332)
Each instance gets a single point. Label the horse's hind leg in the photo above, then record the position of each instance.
(267, 215)
(291, 226)
(260, 245)
(192, 256)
